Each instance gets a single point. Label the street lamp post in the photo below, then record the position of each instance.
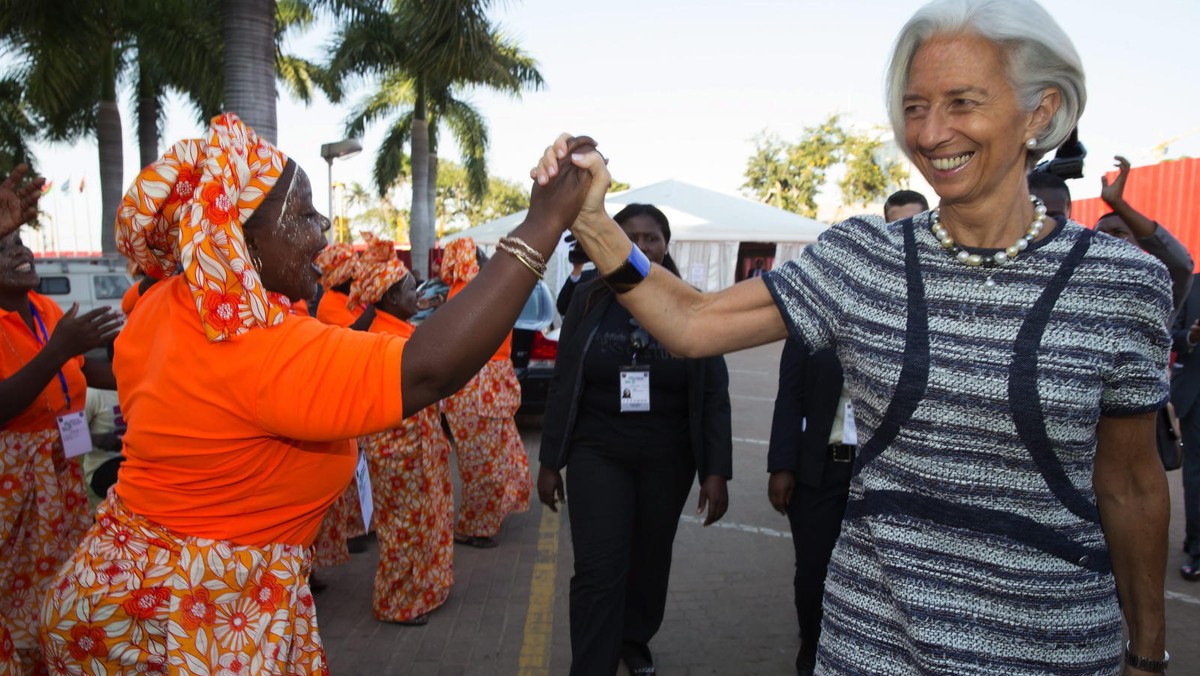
(338, 150)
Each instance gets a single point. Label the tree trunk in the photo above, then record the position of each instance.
(108, 139)
(420, 230)
(433, 177)
(248, 27)
(147, 115)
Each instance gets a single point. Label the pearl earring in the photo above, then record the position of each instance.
(1031, 143)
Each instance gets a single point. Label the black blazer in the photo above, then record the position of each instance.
(563, 303)
(1185, 376)
(810, 386)
(710, 428)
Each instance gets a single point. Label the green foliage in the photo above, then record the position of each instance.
(618, 186)
(16, 128)
(791, 175)
(459, 208)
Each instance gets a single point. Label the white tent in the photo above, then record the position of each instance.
(706, 229)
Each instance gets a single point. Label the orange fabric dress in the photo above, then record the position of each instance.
(344, 519)
(43, 502)
(414, 508)
(492, 461)
(199, 559)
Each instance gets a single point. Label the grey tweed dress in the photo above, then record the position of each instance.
(972, 542)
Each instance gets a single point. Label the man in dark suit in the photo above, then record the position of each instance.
(811, 454)
(1185, 391)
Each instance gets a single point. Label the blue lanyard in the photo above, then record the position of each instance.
(43, 340)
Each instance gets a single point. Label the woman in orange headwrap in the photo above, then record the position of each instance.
(344, 520)
(492, 462)
(43, 380)
(238, 414)
(410, 466)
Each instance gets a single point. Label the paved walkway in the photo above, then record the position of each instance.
(729, 609)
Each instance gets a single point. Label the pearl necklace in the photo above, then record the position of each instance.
(998, 259)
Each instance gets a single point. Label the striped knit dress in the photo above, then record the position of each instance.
(972, 542)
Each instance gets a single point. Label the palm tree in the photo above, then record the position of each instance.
(424, 52)
(248, 27)
(16, 127)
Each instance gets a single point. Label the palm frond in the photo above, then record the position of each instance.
(390, 160)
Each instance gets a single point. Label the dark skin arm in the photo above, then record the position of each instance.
(1131, 494)
(714, 495)
(1113, 195)
(364, 321)
(455, 342)
(550, 487)
(99, 374)
(18, 203)
(780, 487)
(73, 336)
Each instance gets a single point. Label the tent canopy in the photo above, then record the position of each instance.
(706, 229)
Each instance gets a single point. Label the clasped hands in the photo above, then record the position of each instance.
(570, 182)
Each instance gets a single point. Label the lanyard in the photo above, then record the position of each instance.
(43, 340)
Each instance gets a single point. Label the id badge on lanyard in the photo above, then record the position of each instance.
(72, 427)
(635, 389)
(366, 502)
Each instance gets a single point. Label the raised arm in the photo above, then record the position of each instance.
(18, 203)
(687, 322)
(457, 340)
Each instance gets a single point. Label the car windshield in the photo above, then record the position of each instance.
(537, 314)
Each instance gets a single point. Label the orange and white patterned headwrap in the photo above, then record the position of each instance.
(337, 263)
(185, 211)
(459, 263)
(378, 269)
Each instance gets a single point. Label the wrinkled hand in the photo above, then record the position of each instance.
(550, 487)
(559, 191)
(76, 334)
(715, 495)
(1113, 193)
(779, 490)
(583, 154)
(18, 203)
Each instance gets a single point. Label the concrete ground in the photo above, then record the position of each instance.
(729, 609)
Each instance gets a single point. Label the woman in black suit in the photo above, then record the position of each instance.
(636, 426)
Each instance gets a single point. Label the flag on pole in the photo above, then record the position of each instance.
(47, 186)
(81, 183)
(66, 185)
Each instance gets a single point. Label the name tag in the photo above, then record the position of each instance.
(362, 475)
(849, 428)
(76, 438)
(635, 389)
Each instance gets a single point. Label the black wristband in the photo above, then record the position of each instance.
(631, 273)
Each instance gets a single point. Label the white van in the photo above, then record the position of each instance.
(91, 282)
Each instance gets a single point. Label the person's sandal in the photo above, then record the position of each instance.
(478, 542)
(1190, 570)
(418, 621)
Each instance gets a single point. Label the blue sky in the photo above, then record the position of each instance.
(679, 88)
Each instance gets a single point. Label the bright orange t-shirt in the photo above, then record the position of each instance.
(300, 307)
(250, 439)
(386, 323)
(132, 294)
(20, 346)
(332, 309)
(505, 350)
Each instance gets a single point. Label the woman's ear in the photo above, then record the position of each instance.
(1043, 113)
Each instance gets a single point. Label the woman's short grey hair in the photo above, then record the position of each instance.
(1038, 53)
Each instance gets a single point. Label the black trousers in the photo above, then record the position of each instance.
(1190, 427)
(815, 515)
(624, 506)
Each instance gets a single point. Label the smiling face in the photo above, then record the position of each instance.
(963, 126)
(647, 235)
(287, 238)
(17, 272)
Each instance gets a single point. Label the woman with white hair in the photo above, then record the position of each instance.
(1005, 369)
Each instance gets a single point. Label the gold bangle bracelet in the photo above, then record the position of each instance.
(521, 259)
(524, 246)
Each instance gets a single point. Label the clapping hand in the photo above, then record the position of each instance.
(76, 334)
(1113, 193)
(18, 203)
